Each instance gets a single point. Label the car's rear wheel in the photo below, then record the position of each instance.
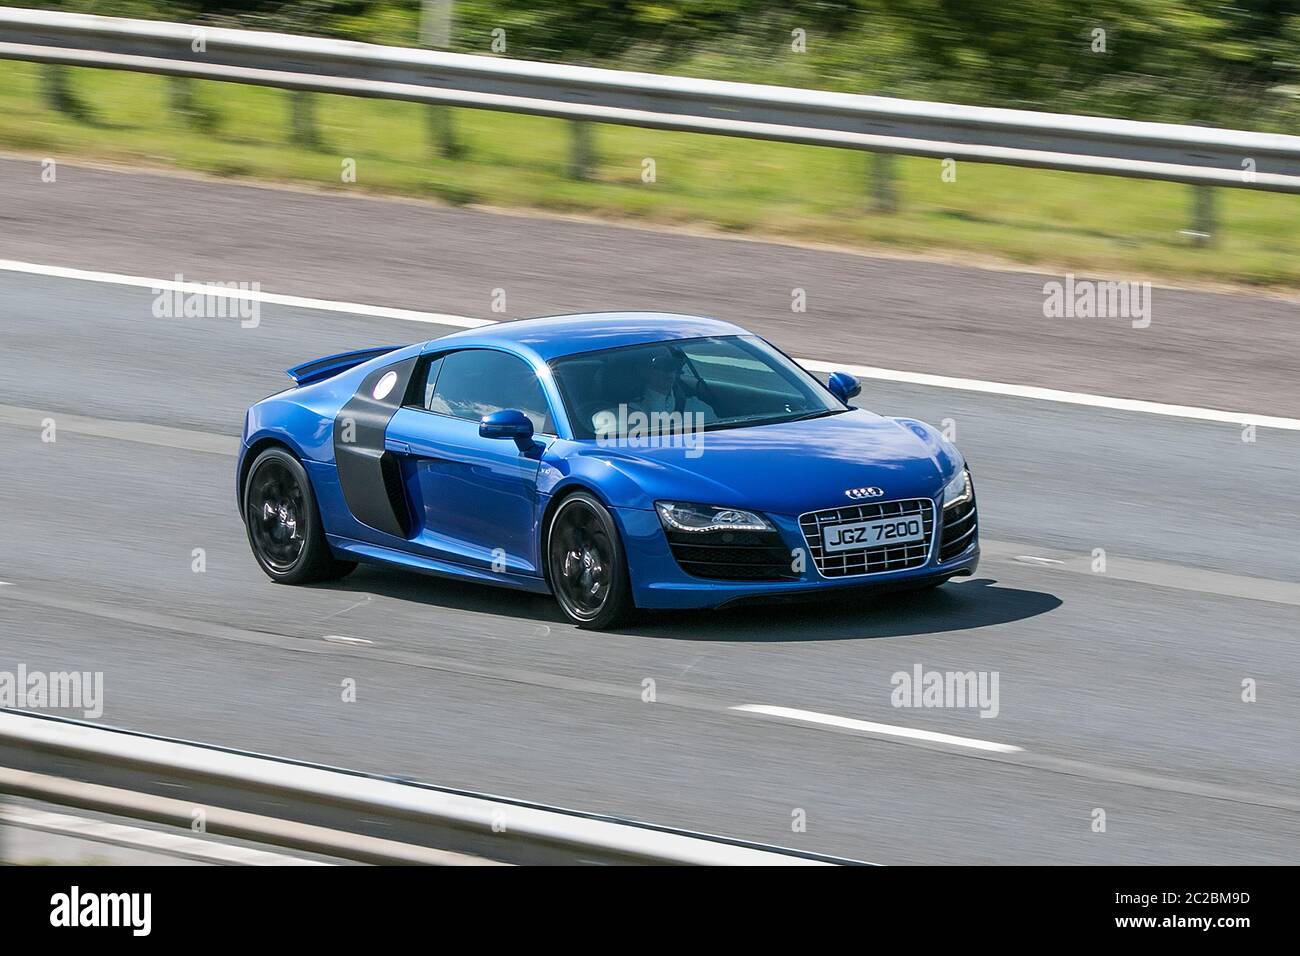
(284, 524)
(586, 565)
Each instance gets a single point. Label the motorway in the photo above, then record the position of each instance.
(1120, 689)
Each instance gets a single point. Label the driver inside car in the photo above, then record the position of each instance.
(664, 390)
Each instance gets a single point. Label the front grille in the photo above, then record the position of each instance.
(898, 557)
(959, 527)
(733, 555)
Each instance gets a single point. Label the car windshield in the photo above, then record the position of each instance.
(715, 382)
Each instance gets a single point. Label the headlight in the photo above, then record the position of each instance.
(957, 491)
(681, 516)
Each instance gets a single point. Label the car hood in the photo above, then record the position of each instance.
(785, 468)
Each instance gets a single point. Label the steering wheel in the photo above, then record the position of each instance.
(700, 389)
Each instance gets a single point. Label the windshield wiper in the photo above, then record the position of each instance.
(805, 417)
(721, 423)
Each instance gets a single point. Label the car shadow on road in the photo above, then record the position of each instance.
(957, 606)
(404, 584)
(980, 602)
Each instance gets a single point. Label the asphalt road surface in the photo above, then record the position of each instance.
(1121, 689)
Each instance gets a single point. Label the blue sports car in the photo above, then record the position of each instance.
(617, 461)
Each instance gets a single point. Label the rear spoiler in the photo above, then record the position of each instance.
(322, 368)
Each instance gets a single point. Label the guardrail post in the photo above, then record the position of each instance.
(435, 32)
(442, 132)
(1204, 219)
(58, 93)
(302, 119)
(180, 92)
(582, 150)
(884, 197)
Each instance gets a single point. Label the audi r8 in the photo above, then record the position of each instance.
(618, 461)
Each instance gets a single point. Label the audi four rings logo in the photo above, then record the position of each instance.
(859, 493)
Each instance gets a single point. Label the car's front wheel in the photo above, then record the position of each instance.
(586, 565)
(283, 522)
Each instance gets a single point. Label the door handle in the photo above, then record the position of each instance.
(406, 448)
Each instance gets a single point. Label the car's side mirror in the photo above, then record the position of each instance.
(508, 423)
(844, 386)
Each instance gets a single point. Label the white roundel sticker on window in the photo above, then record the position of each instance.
(384, 386)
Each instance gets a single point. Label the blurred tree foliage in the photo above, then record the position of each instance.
(1175, 60)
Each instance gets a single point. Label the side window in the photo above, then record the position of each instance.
(477, 382)
(430, 380)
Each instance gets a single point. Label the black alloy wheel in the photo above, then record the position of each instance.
(283, 522)
(585, 564)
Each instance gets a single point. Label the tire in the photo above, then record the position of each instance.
(284, 524)
(586, 566)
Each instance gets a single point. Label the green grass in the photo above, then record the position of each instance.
(1030, 217)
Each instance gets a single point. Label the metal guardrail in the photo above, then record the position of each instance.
(1188, 154)
(326, 810)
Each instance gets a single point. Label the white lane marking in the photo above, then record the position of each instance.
(340, 639)
(1055, 395)
(1034, 559)
(884, 730)
(248, 295)
(814, 365)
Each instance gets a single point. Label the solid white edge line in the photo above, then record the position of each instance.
(1056, 395)
(884, 730)
(246, 295)
(813, 365)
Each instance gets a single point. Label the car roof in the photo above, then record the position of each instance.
(559, 335)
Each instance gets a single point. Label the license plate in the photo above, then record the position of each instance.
(877, 533)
